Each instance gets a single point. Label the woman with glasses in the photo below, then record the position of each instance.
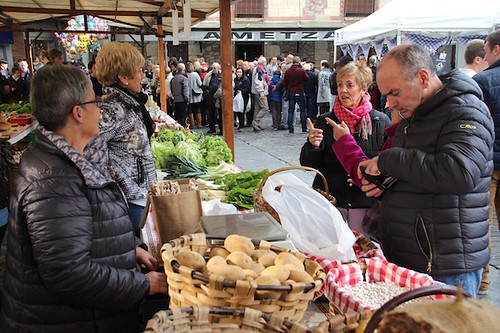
(71, 253)
(126, 126)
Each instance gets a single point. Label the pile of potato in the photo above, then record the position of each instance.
(239, 260)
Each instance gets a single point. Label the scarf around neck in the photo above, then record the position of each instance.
(358, 120)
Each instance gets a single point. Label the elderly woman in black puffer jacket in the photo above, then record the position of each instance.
(71, 254)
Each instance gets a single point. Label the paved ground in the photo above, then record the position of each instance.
(275, 149)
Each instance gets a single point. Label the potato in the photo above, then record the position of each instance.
(228, 272)
(258, 268)
(217, 260)
(250, 274)
(267, 280)
(259, 253)
(234, 243)
(218, 251)
(267, 259)
(191, 259)
(300, 276)
(278, 271)
(287, 258)
(240, 259)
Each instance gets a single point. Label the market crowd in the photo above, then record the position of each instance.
(410, 157)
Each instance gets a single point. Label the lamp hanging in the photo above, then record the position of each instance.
(186, 10)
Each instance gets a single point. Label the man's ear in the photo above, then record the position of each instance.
(423, 78)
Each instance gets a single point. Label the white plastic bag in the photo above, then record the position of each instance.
(238, 102)
(216, 207)
(314, 224)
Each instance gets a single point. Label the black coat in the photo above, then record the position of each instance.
(71, 263)
(436, 214)
(325, 160)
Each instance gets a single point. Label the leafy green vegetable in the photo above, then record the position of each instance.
(183, 167)
(161, 153)
(241, 186)
(216, 150)
(191, 149)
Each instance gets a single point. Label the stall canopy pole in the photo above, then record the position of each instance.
(161, 62)
(227, 70)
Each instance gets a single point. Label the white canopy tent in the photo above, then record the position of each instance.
(430, 23)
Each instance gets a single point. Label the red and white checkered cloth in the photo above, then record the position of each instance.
(378, 270)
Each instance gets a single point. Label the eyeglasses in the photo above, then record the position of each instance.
(98, 102)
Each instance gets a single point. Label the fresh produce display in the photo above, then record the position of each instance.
(20, 108)
(191, 155)
(239, 260)
(241, 186)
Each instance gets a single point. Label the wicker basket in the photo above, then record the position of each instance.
(206, 319)
(188, 287)
(261, 205)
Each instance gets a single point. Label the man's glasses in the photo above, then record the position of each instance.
(98, 102)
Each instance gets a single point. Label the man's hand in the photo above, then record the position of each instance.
(146, 259)
(371, 168)
(157, 283)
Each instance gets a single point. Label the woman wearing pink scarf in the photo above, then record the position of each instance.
(367, 126)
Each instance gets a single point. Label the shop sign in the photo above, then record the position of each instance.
(261, 36)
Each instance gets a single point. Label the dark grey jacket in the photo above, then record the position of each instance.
(489, 82)
(71, 263)
(436, 216)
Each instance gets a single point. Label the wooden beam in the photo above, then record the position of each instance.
(75, 12)
(227, 73)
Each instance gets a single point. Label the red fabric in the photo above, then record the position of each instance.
(358, 120)
(294, 79)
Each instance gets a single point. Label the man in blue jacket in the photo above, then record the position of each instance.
(489, 82)
(434, 219)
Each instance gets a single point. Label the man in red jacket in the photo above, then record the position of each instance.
(294, 80)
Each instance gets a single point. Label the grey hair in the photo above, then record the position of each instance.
(262, 60)
(55, 90)
(410, 58)
(181, 67)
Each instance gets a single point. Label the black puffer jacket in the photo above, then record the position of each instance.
(71, 264)
(436, 216)
(325, 160)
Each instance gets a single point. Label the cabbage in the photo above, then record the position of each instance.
(161, 152)
(216, 151)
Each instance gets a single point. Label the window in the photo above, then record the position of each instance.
(249, 9)
(357, 8)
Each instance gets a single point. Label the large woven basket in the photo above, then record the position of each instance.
(209, 319)
(261, 205)
(188, 287)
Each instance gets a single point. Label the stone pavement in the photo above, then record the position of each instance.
(275, 149)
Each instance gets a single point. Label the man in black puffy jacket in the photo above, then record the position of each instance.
(435, 218)
(489, 82)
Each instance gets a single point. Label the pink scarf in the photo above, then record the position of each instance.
(358, 120)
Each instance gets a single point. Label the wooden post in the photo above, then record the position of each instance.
(29, 52)
(161, 62)
(227, 77)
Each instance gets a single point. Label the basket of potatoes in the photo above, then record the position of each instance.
(240, 274)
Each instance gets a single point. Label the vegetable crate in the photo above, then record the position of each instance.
(189, 287)
(343, 276)
(210, 319)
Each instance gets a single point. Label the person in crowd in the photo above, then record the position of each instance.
(170, 98)
(310, 92)
(126, 126)
(324, 92)
(247, 71)
(294, 79)
(180, 91)
(95, 82)
(489, 82)
(435, 218)
(275, 101)
(474, 57)
(55, 57)
(18, 87)
(367, 127)
(25, 72)
(4, 81)
(72, 255)
(4, 68)
(195, 97)
(211, 83)
(362, 58)
(373, 90)
(242, 84)
(203, 105)
(260, 90)
(272, 66)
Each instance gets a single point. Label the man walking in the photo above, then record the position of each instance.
(260, 89)
(489, 82)
(434, 219)
(294, 80)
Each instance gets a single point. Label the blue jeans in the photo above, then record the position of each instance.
(301, 100)
(312, 109)
(135, 213)
(469, 282)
